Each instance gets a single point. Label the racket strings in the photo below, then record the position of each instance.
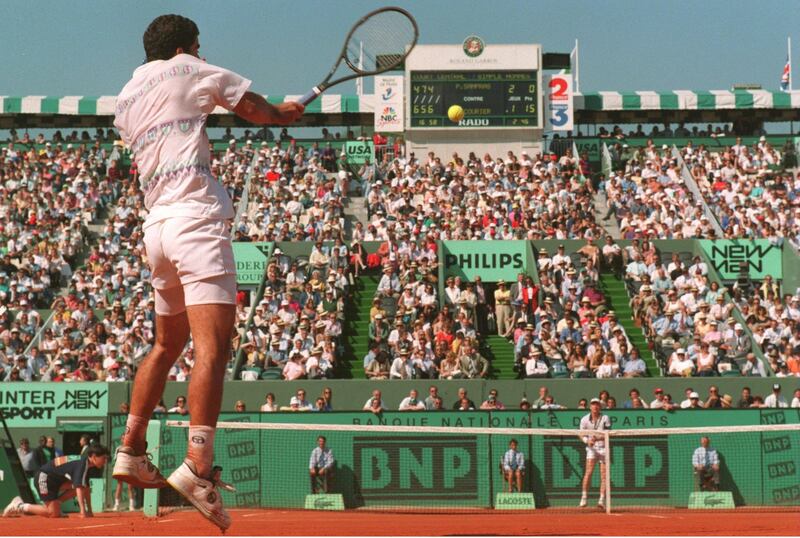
(381, 40)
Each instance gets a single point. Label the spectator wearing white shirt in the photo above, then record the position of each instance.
(705, 461)
(412, 402)
(796, 399)
(320, 466)
(658, 402)
(775, 399)
(513, 465)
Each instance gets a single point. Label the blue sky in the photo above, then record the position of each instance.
(90, 47)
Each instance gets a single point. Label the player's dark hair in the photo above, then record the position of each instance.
(97, 449)
(166, 34)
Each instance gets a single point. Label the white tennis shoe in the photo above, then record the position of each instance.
(138, 471)
(14, 508)
(583, 502)
(202, 493)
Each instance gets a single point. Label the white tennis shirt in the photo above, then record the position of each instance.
(161, 115)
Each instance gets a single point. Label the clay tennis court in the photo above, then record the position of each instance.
(297, 522)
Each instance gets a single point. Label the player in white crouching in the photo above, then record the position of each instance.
(595, 451)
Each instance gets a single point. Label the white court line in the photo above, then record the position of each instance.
(251, 515)
(165, 520)
(657, 517)
(91, 526)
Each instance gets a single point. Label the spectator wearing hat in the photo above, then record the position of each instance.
(535, 366)
(659, 401)
(402, 367)
(378, 330)
(680, 364)
(775, 399)
(694, 401)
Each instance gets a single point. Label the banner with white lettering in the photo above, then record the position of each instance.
(559, 111)
(389, 113)
(490, 260)
(36, 405)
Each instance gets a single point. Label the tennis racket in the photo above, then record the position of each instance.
(378, 42)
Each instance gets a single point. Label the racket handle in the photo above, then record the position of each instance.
(310, 96)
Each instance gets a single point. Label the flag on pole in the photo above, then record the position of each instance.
(575, 67)
(786, 76)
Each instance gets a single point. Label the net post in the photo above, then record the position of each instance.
(151, 496)
(492, 493)
(607, 458)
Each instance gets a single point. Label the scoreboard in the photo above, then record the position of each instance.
(507, 98)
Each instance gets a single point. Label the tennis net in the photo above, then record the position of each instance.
(464, 469)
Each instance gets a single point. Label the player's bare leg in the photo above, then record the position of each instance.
(172, 332)
(132, 464)
(587, 480)
(519, 480)
(601, 503)
(49, 509)
(211, 327)
(197, 479)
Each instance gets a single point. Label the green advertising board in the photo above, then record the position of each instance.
(251, 261)
(490, 260)
(761, 256)
(37, 405)
(358, 151)
(413, 469)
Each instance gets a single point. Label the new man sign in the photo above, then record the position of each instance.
(760, 256)
(490, 260)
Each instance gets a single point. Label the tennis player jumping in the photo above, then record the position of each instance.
(161, 115)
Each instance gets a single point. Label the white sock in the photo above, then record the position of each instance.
(24, 508)
(201, 449)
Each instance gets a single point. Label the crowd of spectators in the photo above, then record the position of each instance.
(297, 326)
(564, 327)
(748, 189)
(48, 196)
(103, 325)
(433, 400)
(504, 197)
(648, 197)
(293, 195)
(410, 335)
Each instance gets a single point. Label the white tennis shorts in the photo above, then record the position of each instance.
(596, 453)
(191, 261)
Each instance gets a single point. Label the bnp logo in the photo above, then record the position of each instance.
(413, 468)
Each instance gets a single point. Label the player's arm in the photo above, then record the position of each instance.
(255, 109)
(84, 501)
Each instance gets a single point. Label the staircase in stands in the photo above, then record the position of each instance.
(619, 301)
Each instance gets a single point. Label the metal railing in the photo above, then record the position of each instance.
(606, 164)
(245, 199)
(695, 190)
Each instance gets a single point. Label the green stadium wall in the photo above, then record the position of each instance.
(269, 467)
(247, 451)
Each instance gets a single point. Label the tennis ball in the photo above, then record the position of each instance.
(455, 113)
